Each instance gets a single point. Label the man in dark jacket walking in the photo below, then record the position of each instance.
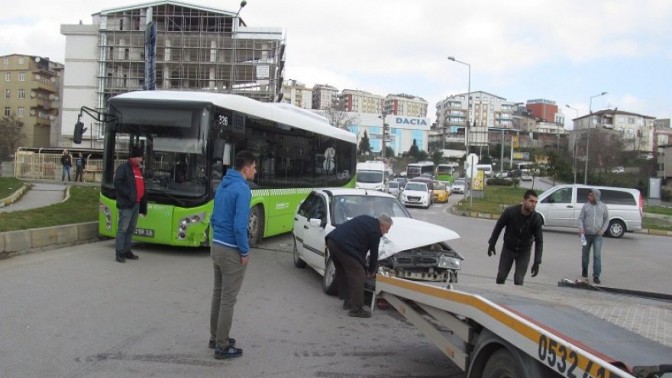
(348, 245)
(523, 226)
(131, 201)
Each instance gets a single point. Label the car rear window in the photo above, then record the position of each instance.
(608, 196)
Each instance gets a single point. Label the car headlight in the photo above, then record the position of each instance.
(448, 262)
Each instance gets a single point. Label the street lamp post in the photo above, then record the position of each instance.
(234, 58)
(574, 147)
(382, 150)
(466, 129)
(590, 121)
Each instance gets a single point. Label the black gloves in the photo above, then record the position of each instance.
(535, 269)
(491, 250)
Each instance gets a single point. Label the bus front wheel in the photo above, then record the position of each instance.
(255, 228)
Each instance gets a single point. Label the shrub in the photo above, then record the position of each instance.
(500, 181)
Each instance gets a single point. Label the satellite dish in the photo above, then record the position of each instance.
(37, 59)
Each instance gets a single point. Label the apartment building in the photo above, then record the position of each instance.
(545, 110)
(636, 130)
(405, 105)
(30, 90)
(358, 101)
(189, 47)
(323, 96)
(486, 111)
(297, 94)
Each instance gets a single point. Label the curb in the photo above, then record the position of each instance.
(473, 214)
(15, 196)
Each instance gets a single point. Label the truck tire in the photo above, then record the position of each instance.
(501, 364)
(298, 262)
(616, 229)
(255, 227)
(329, 278)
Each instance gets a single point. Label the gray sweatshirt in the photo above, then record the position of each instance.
(594, 217)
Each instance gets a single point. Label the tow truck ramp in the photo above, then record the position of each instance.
(521, 338)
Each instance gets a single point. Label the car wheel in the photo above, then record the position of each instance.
(616, 229)
(501, 364)
(255, 227)
(329, 279)
(297, 260)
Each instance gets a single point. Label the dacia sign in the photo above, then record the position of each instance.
(415, 123)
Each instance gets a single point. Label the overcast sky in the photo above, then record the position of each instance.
(564, 51)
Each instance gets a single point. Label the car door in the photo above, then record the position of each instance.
(558, 209)
(314, 232)
(301, 220)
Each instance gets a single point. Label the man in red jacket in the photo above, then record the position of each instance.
(131, 201)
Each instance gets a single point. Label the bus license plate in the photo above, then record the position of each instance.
(144, 232)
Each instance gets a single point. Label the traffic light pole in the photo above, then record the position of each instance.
(93, 113)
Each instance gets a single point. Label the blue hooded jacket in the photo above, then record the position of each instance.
(231, 212)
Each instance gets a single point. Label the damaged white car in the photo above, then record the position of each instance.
(413, 249)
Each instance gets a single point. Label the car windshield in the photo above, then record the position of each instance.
(439, 187)
(458, 182)
(416, 186)
(394, 184)
(346, 207)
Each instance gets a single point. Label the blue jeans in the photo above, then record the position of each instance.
(66, 170)
(128, 218)
(595, 241)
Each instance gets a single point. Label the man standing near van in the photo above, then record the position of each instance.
(593, 223)
(523, 226)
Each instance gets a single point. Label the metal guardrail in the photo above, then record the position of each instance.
(35, 165)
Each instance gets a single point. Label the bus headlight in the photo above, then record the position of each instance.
(185, 222)
(108, 215)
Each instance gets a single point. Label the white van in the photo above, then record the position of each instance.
(486, 168)
(560, 207)
(372, 175)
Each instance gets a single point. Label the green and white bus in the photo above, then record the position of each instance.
(189, 140)
(446, 171)
(422, 168)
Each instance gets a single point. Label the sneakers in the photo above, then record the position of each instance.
(120, 259)
(361, 312)
(584, 273)
(228, 352)
(347, 305)
(212, 343)
(597, 280)
(129, 255)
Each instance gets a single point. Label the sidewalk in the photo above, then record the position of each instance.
(39, 193)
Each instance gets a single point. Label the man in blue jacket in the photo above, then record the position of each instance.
(131, 201)
(593, 222)
(229, 250)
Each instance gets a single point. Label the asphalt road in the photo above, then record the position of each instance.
(74, 312)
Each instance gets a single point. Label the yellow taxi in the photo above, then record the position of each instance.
(441, 192)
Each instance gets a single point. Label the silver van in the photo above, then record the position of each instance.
(560, 207)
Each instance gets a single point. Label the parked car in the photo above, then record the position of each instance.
(393, 188)
(402, 182)
(618, 170)
(560, 207)
(525, 175)
(458, 186)
(413, 249)
(416, 194)
(430, 184)
(441, 192)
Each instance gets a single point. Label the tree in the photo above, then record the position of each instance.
(437, 157)
(364, 144)
(338, 116)
(413, 151)
(11, 130)
(389, 151)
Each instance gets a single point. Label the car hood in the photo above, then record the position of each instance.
(409, 233)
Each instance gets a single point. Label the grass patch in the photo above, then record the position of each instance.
(657, 223)
(81, 206)
(495, 200)
(9, 185)
(662, 210)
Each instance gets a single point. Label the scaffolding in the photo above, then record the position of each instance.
(197, 48)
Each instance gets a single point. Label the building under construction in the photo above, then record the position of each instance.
(168, 45)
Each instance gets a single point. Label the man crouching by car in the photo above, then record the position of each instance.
(348, 245)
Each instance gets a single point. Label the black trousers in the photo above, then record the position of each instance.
(506, 260)
(350, 275)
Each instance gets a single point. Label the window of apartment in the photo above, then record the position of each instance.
(8, 111)
(22, 76)
(631, 120)
(22, 93)
(5, 61)
(8, 93)
(19, 112)
(21, 60)
(8, 76)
